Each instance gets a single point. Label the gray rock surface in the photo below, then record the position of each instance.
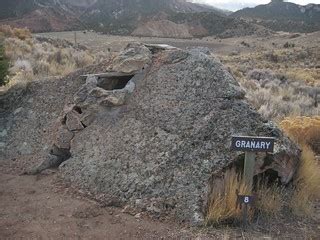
(132, 59)
(161, 150)
(153, 136)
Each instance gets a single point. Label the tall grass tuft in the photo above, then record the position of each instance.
(222, 206)
(305, 131)
(307, 184)
(269, 201)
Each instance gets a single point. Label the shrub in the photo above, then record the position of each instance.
(21, 65)
(4, 65)
(21, 33)
(261, 74)
(45, 58)
(304, 131)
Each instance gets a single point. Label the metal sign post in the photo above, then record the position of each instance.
(250, 145)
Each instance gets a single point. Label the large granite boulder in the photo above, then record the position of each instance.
(160, 148)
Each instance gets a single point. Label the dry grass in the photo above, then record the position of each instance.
(31, 58)
(45, 58)
(280, 82)
(305, 131)
(269, 199)
(223, 208)
(222, 205)
(307, 184)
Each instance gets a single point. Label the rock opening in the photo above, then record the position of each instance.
(265, 171)
(270, 177)
(114, 82)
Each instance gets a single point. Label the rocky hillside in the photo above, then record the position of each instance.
(284, 16)
(157, 18)
(112, 16)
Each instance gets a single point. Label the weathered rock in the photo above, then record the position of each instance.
(134, 58)
(73, 121)
(161, 151)
(82, 94)
(109, 98)
(89, 117)
(63, 137)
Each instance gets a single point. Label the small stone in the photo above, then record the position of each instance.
(18, 110)
(111, 101)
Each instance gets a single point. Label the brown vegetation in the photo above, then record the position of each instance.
(280, 83)
(223, 205)
(31, 58)
(306, 132)
(8, 32)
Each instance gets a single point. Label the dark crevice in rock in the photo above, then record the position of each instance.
(62, 153)
(269, 177)
(64, 120)
(56, 157)
(84, 126)
(113, 83)
(77, 109)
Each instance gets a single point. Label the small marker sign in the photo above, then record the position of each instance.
(252, 144)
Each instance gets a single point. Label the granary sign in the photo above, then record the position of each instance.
(253, 144)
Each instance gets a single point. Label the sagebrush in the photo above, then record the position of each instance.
(31, 58)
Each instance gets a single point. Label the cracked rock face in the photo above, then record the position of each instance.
(159, 150)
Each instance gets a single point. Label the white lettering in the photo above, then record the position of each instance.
(243, 144)
(253, 144)
(268, 144)
(263, 145)
(248, 144)
(238, 144)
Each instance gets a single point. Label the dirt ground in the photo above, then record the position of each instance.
(42, 207)
(34, 208)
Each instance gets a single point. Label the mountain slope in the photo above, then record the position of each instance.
(284, 16)
(113, 16)
(159, 18)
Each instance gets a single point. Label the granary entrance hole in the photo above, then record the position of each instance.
(114, 82)
(269, 176)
